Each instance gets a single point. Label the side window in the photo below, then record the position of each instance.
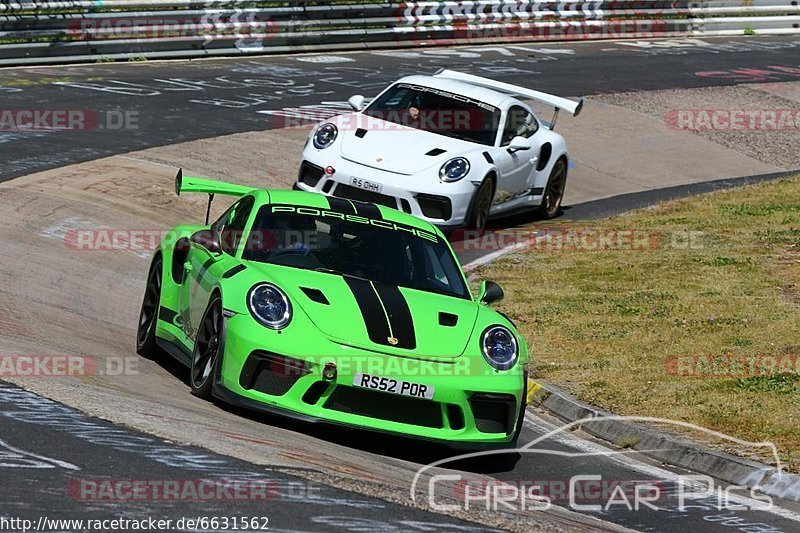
(436, 272)
(519, 122)
(225, 218)
(231, 224)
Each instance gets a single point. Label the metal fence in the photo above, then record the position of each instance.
(36, 32)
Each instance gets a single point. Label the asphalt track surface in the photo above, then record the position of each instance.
(181, 101)
(138, 105)
(60, 464)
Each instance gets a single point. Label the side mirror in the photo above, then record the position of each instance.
(356, 102)
(519, 143)
(490, 292)
(208, 239)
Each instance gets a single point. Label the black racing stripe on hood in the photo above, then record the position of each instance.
(371, 310)
(341, 205)
(399, 315)
(368, 210)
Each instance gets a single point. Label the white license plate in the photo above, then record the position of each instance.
(366, 185)
(396, 386)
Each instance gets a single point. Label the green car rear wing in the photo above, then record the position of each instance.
(210, 187)
(193, 184)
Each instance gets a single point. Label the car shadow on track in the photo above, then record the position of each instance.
(405, 448)
(174, 367)
(514, 230)
(523, 218)
(522, 221)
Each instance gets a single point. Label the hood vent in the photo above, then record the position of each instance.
(436, 151)
(315, 295)
(448, 320)
(360, 132)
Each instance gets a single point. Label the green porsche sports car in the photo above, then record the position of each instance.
(330, 310)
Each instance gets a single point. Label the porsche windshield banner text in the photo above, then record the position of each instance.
(384, 224)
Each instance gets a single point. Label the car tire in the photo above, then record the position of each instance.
(481, 205)
(208, 348)
(146, 344)
(554, 192)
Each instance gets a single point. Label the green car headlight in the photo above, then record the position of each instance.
(269, 306)
(499, 347)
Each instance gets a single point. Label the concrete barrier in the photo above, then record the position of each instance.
(37, 32)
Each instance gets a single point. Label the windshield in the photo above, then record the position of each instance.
(437, 111)
(353, 245)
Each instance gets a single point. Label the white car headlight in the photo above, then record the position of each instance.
(269, 305)
(499, 347)
(454, 170)
(325, 135)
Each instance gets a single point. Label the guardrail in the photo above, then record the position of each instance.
(36, 32)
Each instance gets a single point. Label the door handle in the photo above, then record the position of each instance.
(534, 160)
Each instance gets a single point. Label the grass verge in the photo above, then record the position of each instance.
(694, 318)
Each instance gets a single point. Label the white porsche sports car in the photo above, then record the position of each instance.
(451, 148)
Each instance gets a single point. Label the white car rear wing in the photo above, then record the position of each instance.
(572, 107)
